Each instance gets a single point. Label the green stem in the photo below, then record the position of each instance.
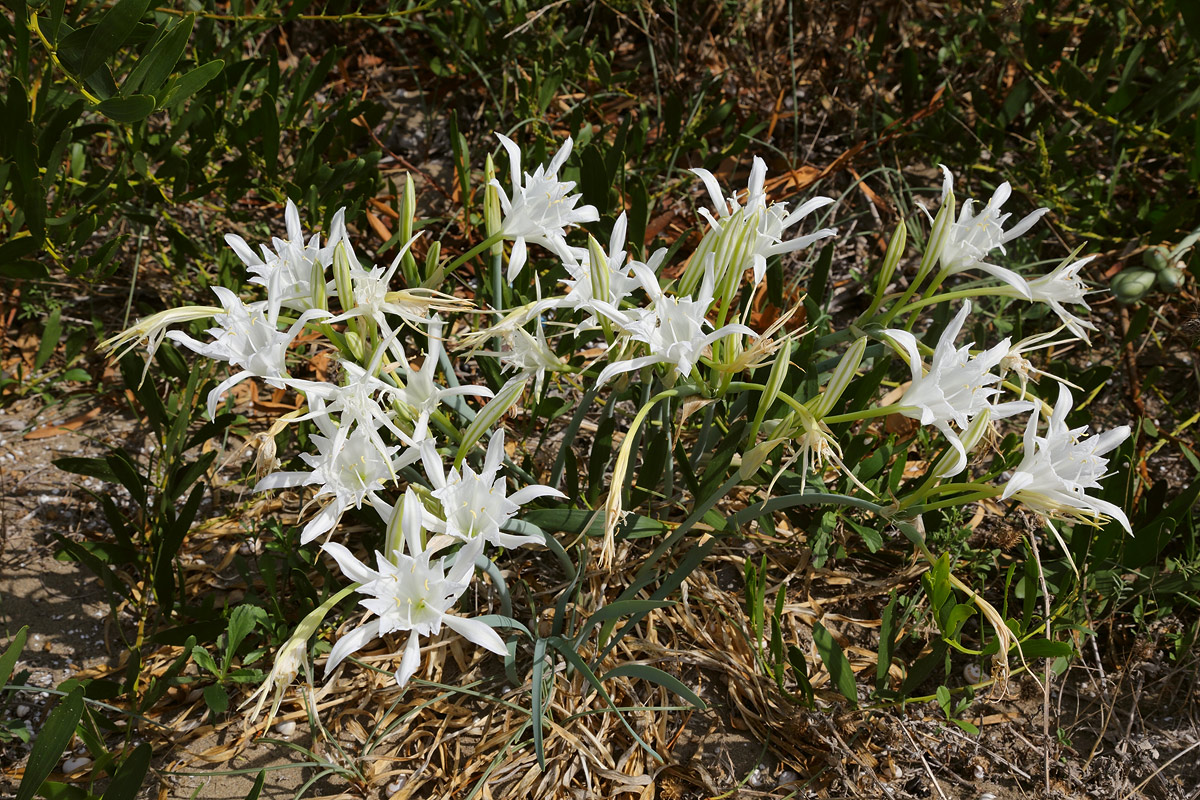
(866, 413)
(440, 273)
(956, 295)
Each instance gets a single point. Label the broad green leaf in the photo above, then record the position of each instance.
(110, 33)
(154, 68)
(91, 467)
(241, 622)
(834, 658)
(184, 86)
(1045, 648)
(216, 698)
(51, 742)
(134, 108)
(50, 336)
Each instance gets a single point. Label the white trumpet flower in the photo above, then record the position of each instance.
(541, 208)
(1059, 468)
(410, 592)
(477, 505)
(970, 239)
(957, 386)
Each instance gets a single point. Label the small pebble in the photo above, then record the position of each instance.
(286, 729)
(972, 673)
(72, 764)
(787, 776)
(23, 711)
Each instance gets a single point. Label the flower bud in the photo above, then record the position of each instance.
(342, 279)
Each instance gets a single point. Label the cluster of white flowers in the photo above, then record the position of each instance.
(377, 423)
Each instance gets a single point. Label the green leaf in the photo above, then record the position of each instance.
(134, 108)
(111, 32)
(243, 620)
(154, 68)
(49, 339)
(130, 775)
(568, 652)
(257, 788)
(91, 467)
(9, 659)
(655, 675)
(204, 660)
(624, 608)
(51, 742)
(535, 700)
(184, 86)
(216, 698)
(836, 662)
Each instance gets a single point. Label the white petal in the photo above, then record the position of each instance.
(517, 259)
(351, 642)
(477, 632)
(350, 566)
(411, 660)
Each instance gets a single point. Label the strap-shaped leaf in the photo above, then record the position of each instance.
(836, 662)
(51, 742)
(9, 659)
(134, 108)
(183, 87)
(130, 775)
(655, 675)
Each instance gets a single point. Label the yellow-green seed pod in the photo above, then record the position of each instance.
(318, 297)
(489, 415)
(431, 258)
(937, 237)
(355, 343)
(1132, 284)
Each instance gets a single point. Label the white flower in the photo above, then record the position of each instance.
(1059, 468)
(349, 468)
(974, 236)
(671, 327)
(289, 271)
(410, 592)
(957, 386)
(477, 505)
(608, 274)
(421, 392)
(246, 336)
(1064, 285)
(744, 237)
(541, 208)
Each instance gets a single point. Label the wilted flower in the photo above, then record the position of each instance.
(974, 236)
(957, 386)
(541, 208)
(1059, 468)
(1064, 285)
(410, 592)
